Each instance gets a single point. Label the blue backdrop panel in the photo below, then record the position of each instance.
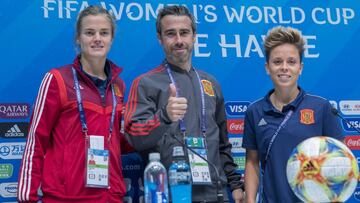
(39, 35)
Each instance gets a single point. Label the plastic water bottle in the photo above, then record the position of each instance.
(180, 177)
(155, 181)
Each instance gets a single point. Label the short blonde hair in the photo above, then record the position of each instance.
(283, 35)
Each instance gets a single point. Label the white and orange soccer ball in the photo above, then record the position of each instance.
(322, 169)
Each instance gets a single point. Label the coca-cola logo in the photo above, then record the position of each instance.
(353, 142)
(235, 126)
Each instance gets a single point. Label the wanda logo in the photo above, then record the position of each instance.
(353, 142)
(235, 126)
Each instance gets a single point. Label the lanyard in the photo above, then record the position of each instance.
(81, 107)
(288, 115)
(203, 110)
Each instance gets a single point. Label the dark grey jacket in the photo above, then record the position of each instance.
(149, 129)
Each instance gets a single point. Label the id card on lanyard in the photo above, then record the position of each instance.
(199, 168)
(97, 162)
(97, 157)
(200, 171)
(97, 168)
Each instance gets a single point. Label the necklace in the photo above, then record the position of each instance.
(278, 104)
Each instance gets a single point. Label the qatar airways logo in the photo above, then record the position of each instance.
(236, 108)
(235, 126)
(353, 142)
(19, 110)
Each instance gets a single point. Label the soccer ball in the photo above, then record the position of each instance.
(322, 169)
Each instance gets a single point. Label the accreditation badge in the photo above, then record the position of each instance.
(199, 168)
(97, 164)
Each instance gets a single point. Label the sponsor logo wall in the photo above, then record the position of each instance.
(235, 126)
(235, 111)
(350, 110)
(8, 189)
(15, 110)
(14, 130)
(228, 45)
(6, 171)
(353, 142)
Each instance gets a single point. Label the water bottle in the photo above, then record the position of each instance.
(180, 177)
(155, 181)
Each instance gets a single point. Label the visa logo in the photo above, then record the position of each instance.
(236, 108)
(355, 121)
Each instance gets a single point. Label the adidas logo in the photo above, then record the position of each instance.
(262, 122)
(309, 168)
(14, 132)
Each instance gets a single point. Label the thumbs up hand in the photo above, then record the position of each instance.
(177, 106)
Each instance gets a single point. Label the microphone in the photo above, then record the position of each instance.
(336, 113)
(219, 192)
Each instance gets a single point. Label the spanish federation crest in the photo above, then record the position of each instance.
(208, 88)
(117, 91)
(307, 116)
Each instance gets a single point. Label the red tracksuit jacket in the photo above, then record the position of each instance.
(54, 157)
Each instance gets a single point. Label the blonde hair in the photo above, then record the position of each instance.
(283, 35)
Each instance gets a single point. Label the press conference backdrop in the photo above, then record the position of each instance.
(38, 35)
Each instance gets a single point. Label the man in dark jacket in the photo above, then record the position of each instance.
(175, 99)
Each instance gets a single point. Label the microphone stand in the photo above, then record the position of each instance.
(336, 112)
(219, 192)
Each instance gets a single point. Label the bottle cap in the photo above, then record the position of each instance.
(178, 151)
(155, 156)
